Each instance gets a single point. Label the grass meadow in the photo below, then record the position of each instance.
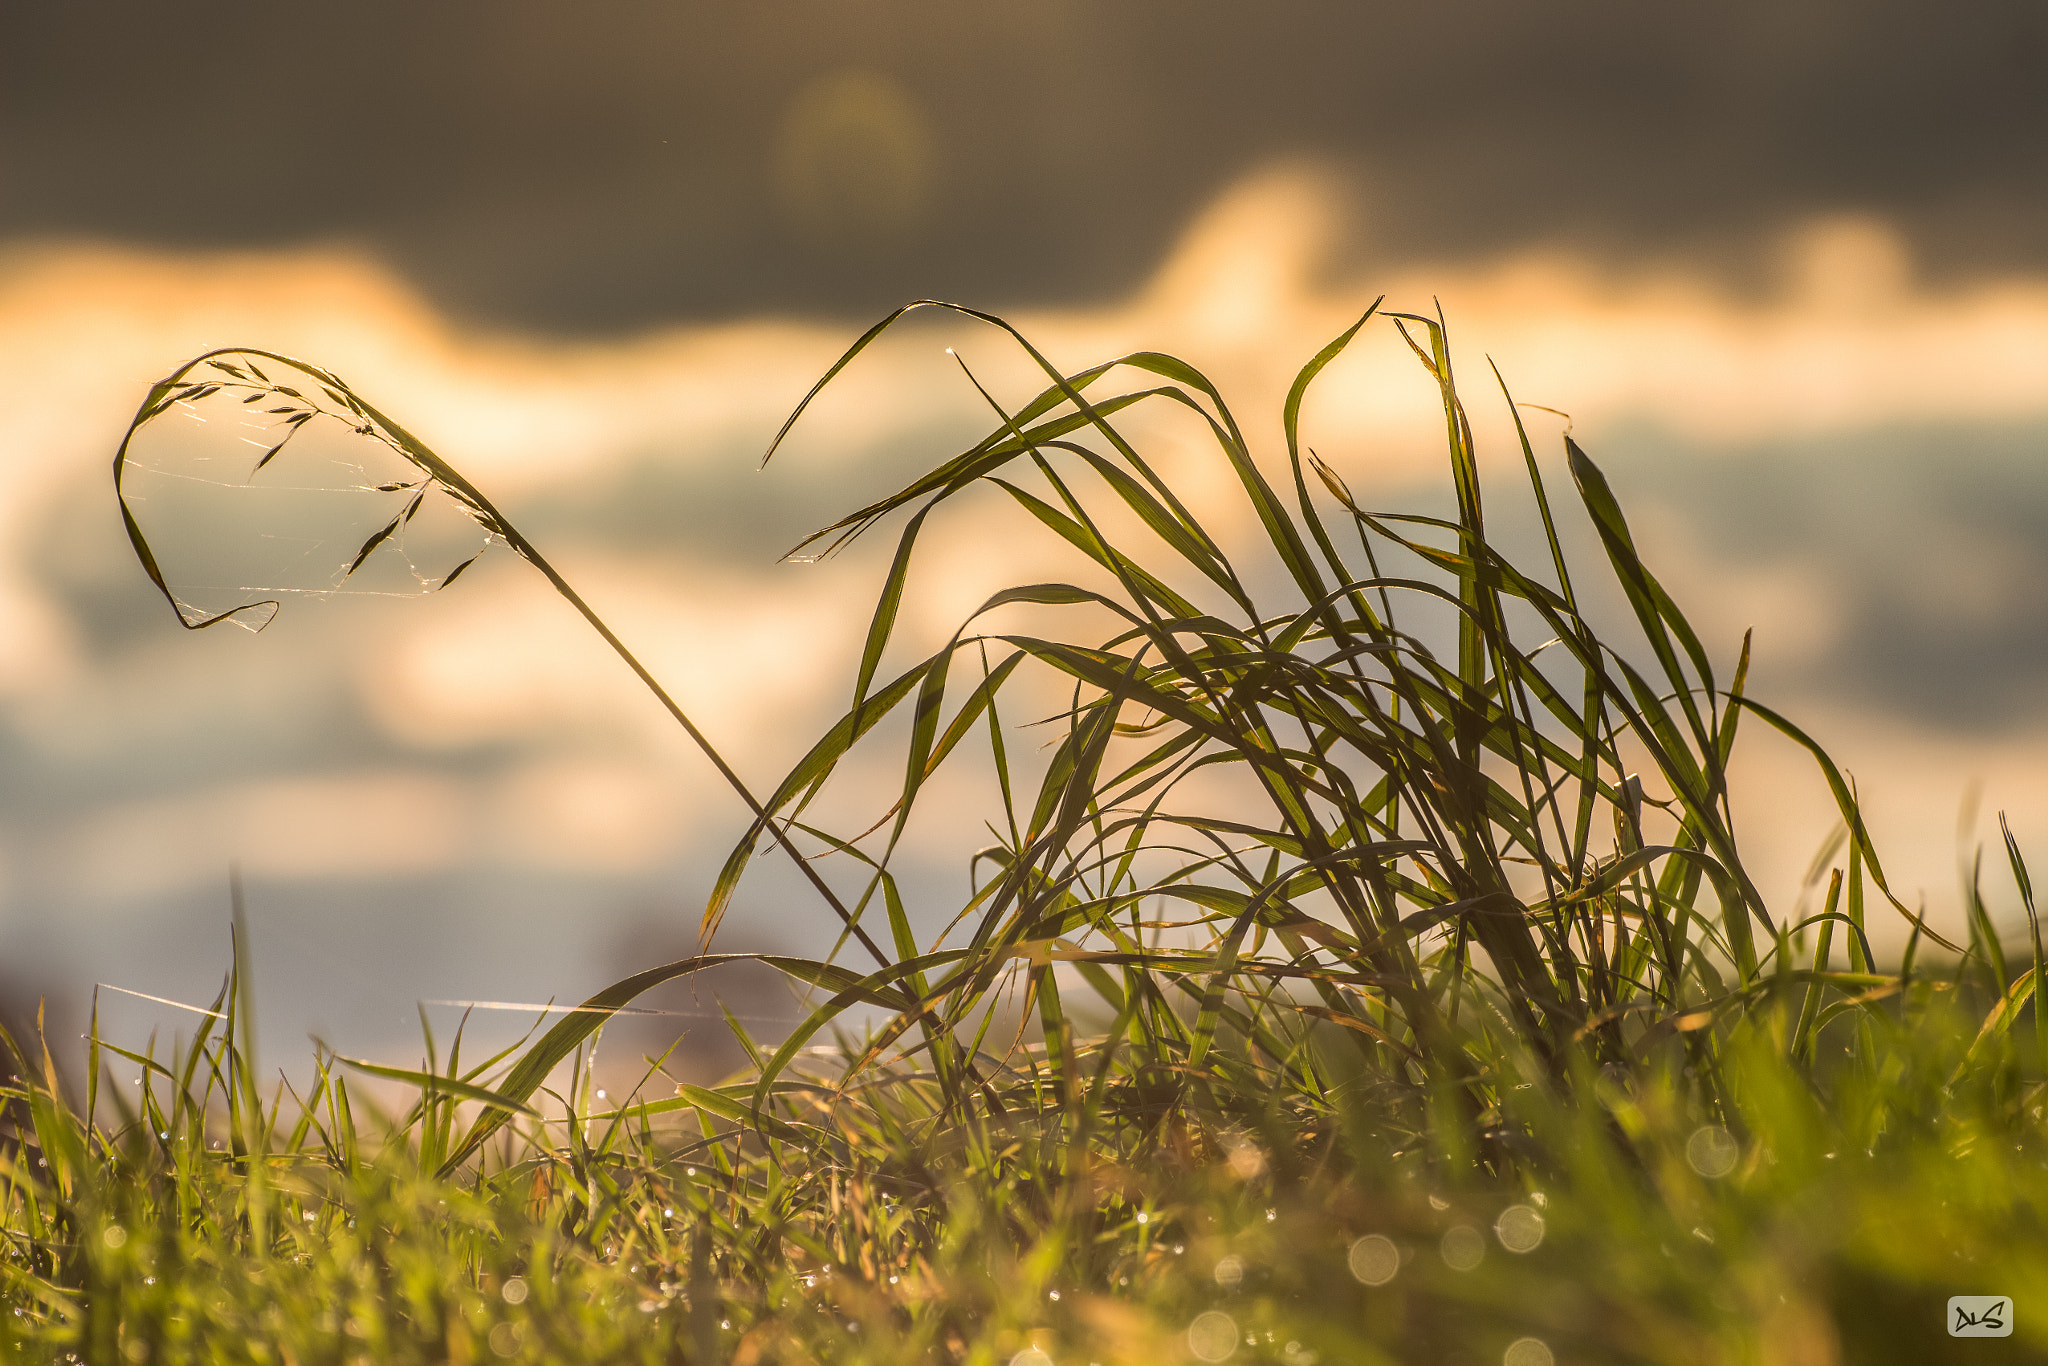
(1452, 1030)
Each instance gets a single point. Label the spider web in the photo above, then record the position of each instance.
(231, 529)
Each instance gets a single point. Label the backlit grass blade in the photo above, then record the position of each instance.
(433, 1083)
(555, 1046)
(2026, 889)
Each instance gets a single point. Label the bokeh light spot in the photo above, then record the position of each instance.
(1374, 1259)
(1519, 1228)
(1462, 1248)
(853, 164)
(1712, 1151)
(1213, 1336)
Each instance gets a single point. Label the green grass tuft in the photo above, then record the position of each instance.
(1457, 1031)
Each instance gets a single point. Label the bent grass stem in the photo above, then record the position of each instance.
(368, 421)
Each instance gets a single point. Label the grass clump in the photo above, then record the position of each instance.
(1458, 1028)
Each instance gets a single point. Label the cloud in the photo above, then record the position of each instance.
(527, 165)
(738, 650)
(373, 824)
(588, 815)
(371, 739)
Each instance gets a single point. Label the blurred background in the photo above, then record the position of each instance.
(1785, 266)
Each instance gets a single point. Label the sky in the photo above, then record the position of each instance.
(1785, 268)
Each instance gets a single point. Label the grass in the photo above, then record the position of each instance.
(1456, 1029)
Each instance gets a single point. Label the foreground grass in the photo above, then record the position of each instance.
(1455, 1030)
(1616, 1222)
